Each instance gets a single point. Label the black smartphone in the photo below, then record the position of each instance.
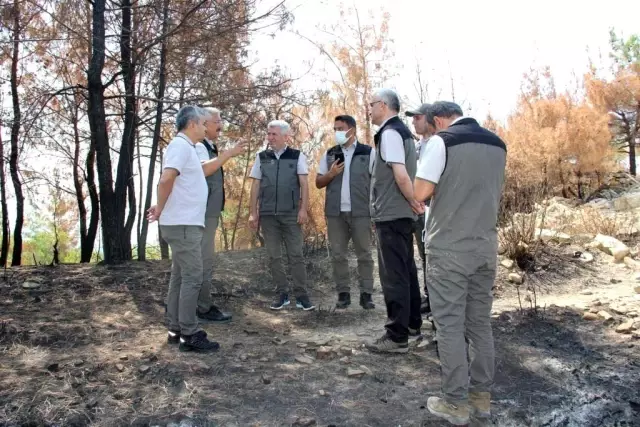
(340, 158)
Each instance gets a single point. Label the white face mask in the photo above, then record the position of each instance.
(341, 137)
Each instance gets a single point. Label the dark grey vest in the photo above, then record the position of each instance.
(464, 210)
(359, 182)
(387, 201)
(279, 186)
(215, 182)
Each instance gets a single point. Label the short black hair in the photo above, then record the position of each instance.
(349, 120)
(444, 109)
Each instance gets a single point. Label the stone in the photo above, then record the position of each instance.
(552, 235)
(365, 369)
(345, 360)
(582, 239)
(502, 249)
(355, 373)
(31, 285)
(586, 292)
(515, 278)
(304, 359)
(611, 245)
(322, 393)
(627, 202)
(507, 263)
(635, 334)
(279, 341)
(243, 357)
(119, 367)
(631, 263)
(586, 257)
(626, 327)
(302, 345)
(636, 289)
(78, 362)
(144, 369)
(53, 367)
(125, 357)
(304, 422)
(632, 314)
(619, 308)
(323, 353)
(605, 315)
(266, 379)
(590, 316)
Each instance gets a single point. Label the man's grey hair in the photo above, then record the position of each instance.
(188, 114)
(212, 111)
(445, 109)
(390, 98)
(284, 126)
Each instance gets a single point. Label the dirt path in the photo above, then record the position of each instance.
(87, 347)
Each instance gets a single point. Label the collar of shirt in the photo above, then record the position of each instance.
(350, 148)
(279, 152)
(458, 119)
(385, 122)
(185, 137)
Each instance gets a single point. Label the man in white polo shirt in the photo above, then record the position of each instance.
(182, 200)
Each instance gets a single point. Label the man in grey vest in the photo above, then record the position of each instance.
(425, 130)
(393, 210)
(279, 203)
(463, 174)
(208, 150)
(345, 170)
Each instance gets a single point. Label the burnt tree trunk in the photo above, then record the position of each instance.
(4, 249)
(15, 134)
(162, 82)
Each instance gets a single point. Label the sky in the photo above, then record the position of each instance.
(486, 46)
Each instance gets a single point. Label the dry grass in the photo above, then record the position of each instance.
(590, 220)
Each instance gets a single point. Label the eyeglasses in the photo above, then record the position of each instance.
(371, 104)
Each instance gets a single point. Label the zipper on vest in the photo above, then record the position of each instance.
(277, 182)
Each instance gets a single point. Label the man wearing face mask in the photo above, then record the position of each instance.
(425, 130)
(345, 170)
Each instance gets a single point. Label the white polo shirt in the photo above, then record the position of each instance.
(345, 192)
(187, 202)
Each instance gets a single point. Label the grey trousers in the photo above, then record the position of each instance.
(208, 249)
(276, 229)
(186, 276)
(461, 298)
(341, 229)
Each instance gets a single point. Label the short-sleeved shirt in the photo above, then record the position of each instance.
(345, 192)
(432, 160)
(303, 169)
(187, 201)
(391, 145)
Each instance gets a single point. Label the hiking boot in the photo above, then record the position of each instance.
(198, 342)
(366, 302)
(282, 301)
(344, 300)
(214, 315)
(480, 403)
(425, 306)
(458, 415)
(304, 303)
(173, 337)
(384, 344)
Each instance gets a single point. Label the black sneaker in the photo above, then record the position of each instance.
(415, 334)
(214, 315)
(425, 306)
(282, 301)
(366, 302)
(198, 342)
(304, 303)
(173, 337)
(344, 300)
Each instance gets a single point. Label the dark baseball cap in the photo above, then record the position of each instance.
(420, 111)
